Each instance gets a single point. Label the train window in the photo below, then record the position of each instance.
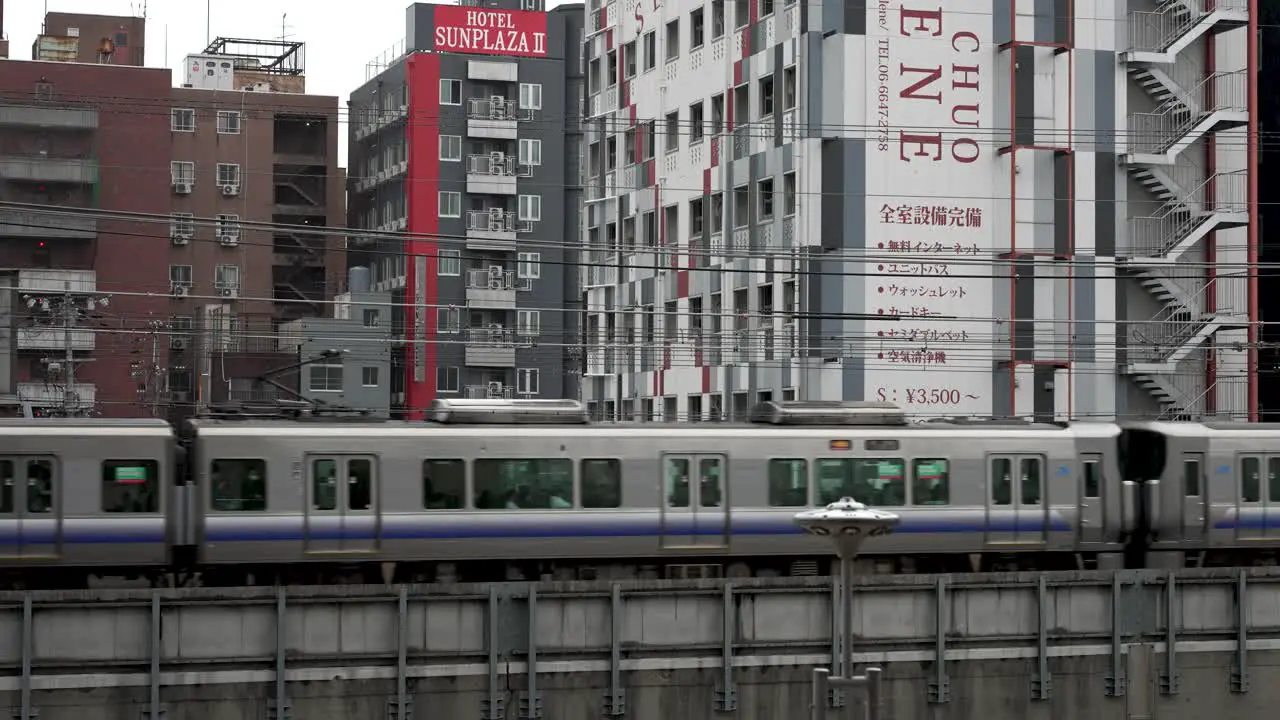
(1191, 478)
(39, 495)
(1092, 478)
(238, 485)
(788, 483)
(677, 482)
(6, 487)
(601, 483)
(1001, 481)
(128, 486)
(444, 484)
(931, 481)
(878, 482)
(525, 484)
(324, 484)
(1250, 480)
(1031, 481)
(1273, 479)
(359, 483)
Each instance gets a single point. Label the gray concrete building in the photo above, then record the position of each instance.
(345, 359)
(463, 173)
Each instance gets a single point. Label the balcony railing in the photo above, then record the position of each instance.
(495, 108)
(491, 164)
(495, 221)
(487, 279)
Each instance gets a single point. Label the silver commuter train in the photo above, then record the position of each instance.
(522, 489)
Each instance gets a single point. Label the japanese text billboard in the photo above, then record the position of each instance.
(930, 179)
(463, 29)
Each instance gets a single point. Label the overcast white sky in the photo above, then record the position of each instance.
(341, 36)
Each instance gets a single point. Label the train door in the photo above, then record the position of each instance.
(1092, 508)
(1016, 507)
(1258, 501)
(695, 509)
(29, 522)
(342, 504)
(1193, 510)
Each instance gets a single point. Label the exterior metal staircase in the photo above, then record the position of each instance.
(1158, 36)
(1219, 102)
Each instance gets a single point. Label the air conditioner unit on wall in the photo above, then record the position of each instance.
(179, 290)
(228, 240)
(180, 238)
(230, 190)
(183, 188)
(228, 292)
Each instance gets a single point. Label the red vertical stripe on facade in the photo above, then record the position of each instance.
(737, 67)
(682, 283)
(706, 181)
(706, 378)
(422, 208)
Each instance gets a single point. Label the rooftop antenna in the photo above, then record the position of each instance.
(208, 21)
(284, 27)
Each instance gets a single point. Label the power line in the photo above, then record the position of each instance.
(810, 253)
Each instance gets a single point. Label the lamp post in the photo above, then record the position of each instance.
(847, 523)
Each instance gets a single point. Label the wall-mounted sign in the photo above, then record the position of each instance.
(484, 31)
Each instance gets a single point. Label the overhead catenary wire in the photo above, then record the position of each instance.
(811, 253)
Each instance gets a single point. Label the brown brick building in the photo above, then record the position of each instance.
(198, 288)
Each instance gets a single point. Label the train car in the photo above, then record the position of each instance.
(1210, 493)
(522, 489)
(85, 496)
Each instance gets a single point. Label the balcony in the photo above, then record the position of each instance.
(490, 347)
(21, 223)
(50, 118)
(492, 117)
(58, 281)
(496, 391)
(494, 288)
(54, 338)
(492, 174)
(493, 230)
(37, 168)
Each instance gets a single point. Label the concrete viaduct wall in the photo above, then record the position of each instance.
(994, 647)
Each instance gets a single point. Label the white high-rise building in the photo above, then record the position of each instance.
(997, 207)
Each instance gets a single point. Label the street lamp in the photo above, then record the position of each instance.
(847, 523)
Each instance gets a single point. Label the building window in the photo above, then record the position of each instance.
(180, 275)
(650, 49)
(450, 263)
(766, 96)
(370, 317)
(530, 96)
(697, 28)
(789, 88)
(529, 265)
(741, 13)
(765, 189)
(717, 213)
(696, 218)
(528, 323)
(450, 92)
(451, 148)
(697, 123)
(530, 208)
(673, 131)
(182, 225)
(673, 40)
(324, 378)
(182, 171)
(789, 193)
(530, 152)
(369, 376)
(527, 381)
(766, 8)
(629, 59)
(448, 320)
(650, 141)
(717, 19)
(226, 277)
(447, 379)
(182, 120)
(450, 204)
(228, 122)
(228, 174)
(227, 225)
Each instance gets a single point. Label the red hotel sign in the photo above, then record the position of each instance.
(484, 31)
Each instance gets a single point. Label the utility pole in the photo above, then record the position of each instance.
(66, 310)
